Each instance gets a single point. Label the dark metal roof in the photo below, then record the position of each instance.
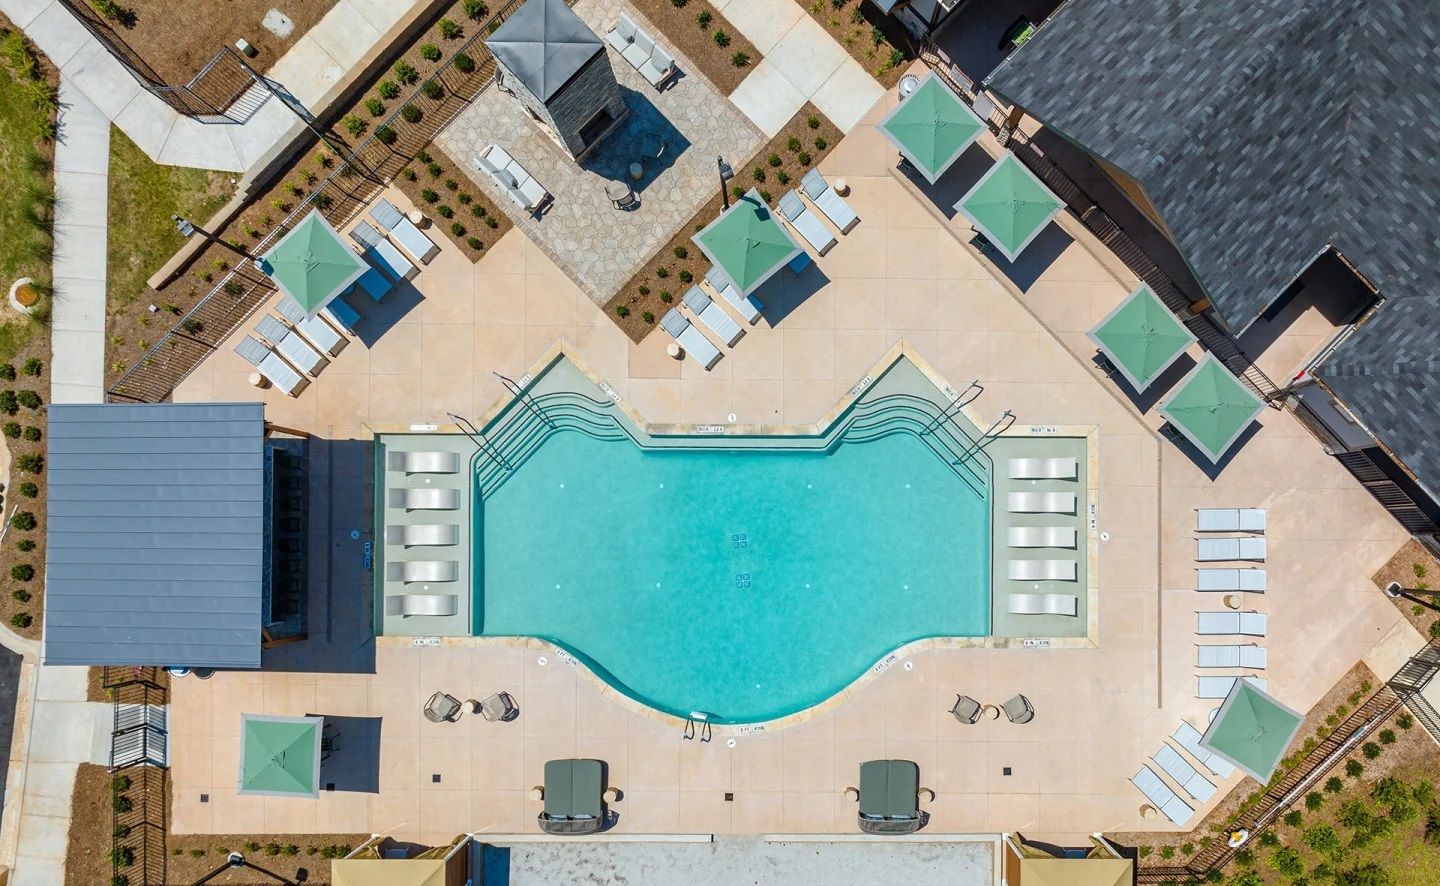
(1261, 131)
(155, 534)
(544, 43)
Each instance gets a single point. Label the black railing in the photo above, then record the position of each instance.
(138, 773)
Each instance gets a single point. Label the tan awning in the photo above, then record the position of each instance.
(388, 872)
(1070, 872)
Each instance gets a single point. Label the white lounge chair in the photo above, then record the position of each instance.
(1231, 580)
(1213, 550)
(424, 499)
(749, 306)
(1185, 775)
(690, 338)
(805, 221)
(291, 345)
(423, 535)
(366, 234)
(1040, 536)
(1041, 570)
(1246, 624)
(1230, 520)
(275, 370)
(425, 462)
(718, 322)
(831, 204)
(315, 329)
(406, 605)
(421, 571)
(518, 185)
(390, 261)
(1043, 604)
(1244, 656)
(1044, 468)
(1041, 502)
(1160, 795)
(1189, 738)
(407, 235)
(1219, 687)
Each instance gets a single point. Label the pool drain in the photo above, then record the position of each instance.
(742, 580)
(739, 540)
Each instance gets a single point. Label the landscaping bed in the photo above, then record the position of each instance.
(435, 183)
(776, 168)
(22, 421)
(1414, 567)
(877, 41)
(706, 37)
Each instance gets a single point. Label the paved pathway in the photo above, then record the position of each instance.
(82, 167)
(802, 63)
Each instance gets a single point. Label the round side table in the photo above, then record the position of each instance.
(1232, 601)
(673, 349)
(990, 712)
(637, 171)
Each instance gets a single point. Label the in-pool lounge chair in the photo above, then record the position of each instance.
(1185, 775)
(889, 797)
(423, 535)
(1040, 537)
(749, 306)
(1018, 709)
(316, 329)
(828, 202)
(275, 370)
(1043, 604)
(422, 571)
(691, 339)
(1160, 795)
(424, 499)
(1219, 687)
(574, 797)
(805, 221)
(1243, 656)
(1044, 468)
(1230, 520)
(1040, 502)
(407, 605)
(1188, 737)
(1247, 624)
(522, 189)
(1230, 580)
(291, 345)
(1041, 570)
(409, 237)
(1214, 550)
(718, 322)
(425, 462)
(966, 710)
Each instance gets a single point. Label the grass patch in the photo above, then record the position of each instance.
(143, 196)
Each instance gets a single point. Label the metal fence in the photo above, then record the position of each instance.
(358, 179)
(138, 771)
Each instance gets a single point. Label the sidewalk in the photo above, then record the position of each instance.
(802, 63)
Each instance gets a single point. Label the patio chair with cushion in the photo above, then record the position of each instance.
(1230, 519)
(405, 232)
(315, 329)
(443, 708)
(427, 499)
(1252, 580)
(1041, 570)
(889, 797)
(1040, 502)
(291, 345)
(1185, 775)
(422, 571)
(828, 202)
(1159, 793)
(805, 221)
(1018, 709)
(1250, 624)
(1188, 737)
(966, 710)
(638, 52)
(423, 535)
(1043, 604)
(1214, 550)
(425, 462)
(1044, 468)
(658, 67)
(1040, 537)
(622, 35)
(499, 708)
(574, 797)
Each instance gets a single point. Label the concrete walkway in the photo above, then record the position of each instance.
(802, 63)
(82, 167)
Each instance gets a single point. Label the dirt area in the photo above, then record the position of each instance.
(660, 282)
(706, 37)
(1415, 567)
(876, 40)
(87, 860)
(434, 183)
(95, 680)
(178, 44)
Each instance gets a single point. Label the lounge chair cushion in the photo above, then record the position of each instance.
(573, 789)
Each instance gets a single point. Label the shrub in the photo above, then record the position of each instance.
(1353, 768)
(449, 29)
(20, 595)
(8, 404)
(388, 90)
(804, 158)
(32, 367)
(272, 848)
(430, 52)
(197, 852)
(12, 430)
(759, 173)
(679, 4)
(1167, 851)
(1323, 839)
(405, 72)
(1387, 736)
(386, 135)
(432, 90)
(433, 168)
(765, 195)
(1286, 861)
(121, 804)
(252, 846)
(25, 544)
(411, 114)
(703, 18)
(666, 296)
(111, 10)
(793, 144)
(375, 106)
(1405, 721)
(773, 160)
(464, 198)
(491, 223)
(1424, 793)
(721, 39)
(23, 620)
(444, 211)
(1368, 874)
(1269, 838)
(647, 316)
(22, 572)
(451, 184)
(355, 126)
(30, 463)
(291, 849)
(429, 196)
(622, 311)
(32, 434)
(681, 252)
(475, 9)
(122, 856)
(740, 59)
(464, 63)
(1293, 818)
(782, 176)
(662, 272)
(812, 121)
(685, 276)
(821, 144)
(474, 243)
(1370, 749)
(1334, 785)
(7, 372)
(1314, 800)
(408, 174)
(457, 229)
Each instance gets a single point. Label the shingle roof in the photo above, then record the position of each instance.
(1262, 131)
(155, 534)
(544, 43)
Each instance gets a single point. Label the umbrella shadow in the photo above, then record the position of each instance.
(354, 764)
(1161, 385)
(1033, 262)
(378, 317)
(1211, 470)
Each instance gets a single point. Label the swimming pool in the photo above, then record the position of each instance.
(749, 578)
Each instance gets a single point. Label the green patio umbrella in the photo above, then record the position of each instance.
(311, 264)
(1252, 730)
(1141, 337)
(280, 756)
(932, 127)
(747, 243)
(1211, 408)
(1009, 206)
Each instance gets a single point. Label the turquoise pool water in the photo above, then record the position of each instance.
(746, 583)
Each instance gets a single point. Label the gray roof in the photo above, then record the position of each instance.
(544, 43)
(1261, 131)
(155, 534)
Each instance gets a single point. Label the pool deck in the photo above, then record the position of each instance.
(905, 272)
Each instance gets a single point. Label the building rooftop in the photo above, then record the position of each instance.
(544, 43)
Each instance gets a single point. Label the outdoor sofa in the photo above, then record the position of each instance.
(522, 188)
(889, 797)
(574, 797)
(640, 51)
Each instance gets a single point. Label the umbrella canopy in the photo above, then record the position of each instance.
(1009, 206)
(1211, 408)
(932, 127)
(388, 872)
(1141, 337)
(1252, 730)
(747, 243)
(1076, 872)
(311, 264)
(280, 756)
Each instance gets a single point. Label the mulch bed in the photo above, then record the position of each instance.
(680, 23)
(178, 43)
(877, 41)
(435, 183)
(23, 604)
(1414, 567)
(658, 285)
